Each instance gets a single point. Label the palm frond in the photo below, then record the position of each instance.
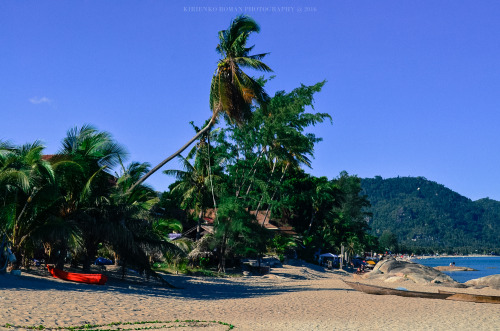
(6, 146)
(87, 189)
(15, 178)
(232, 92)
(253, 62)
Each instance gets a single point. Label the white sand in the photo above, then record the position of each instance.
(290, 298)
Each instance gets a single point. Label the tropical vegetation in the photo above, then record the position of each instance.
(420, 216)
(242, 192)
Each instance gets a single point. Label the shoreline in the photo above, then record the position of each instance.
(422, 257)
(294, 297)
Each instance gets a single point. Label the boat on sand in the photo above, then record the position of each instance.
(478, 298)
(98, 279)
(379, 290)
(446, 295)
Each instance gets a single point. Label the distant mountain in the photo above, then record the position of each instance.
(428, 216)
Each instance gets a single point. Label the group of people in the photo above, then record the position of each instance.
(361, 268)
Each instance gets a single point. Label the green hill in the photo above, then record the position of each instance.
(428, 217)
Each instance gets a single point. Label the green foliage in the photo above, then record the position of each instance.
(280, 243)
(426, 216)
(232, 91)
(175, 261)
(27, 188)
(388, 241)
(241, 173)
(330, 213)
(274, 143)
(236, 230)
(71, 203)
(203, 262)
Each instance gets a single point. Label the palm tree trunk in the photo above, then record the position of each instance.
(162, 163)
(23, 210)
(62, 257)
(198, 226)
(16, 250)
(246, 177)
(311, 222)
(262, 197)
(90, 254)
(86, 263)
(274, 193)
(251, 183)
(30, 198)
(16, 242)
(210, 177)
(222, 257)
(263, 151)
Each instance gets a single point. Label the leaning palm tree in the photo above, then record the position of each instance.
(194, 182)
(133, 228)
(232, 91)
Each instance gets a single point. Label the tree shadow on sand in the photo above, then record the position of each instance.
(194, 288)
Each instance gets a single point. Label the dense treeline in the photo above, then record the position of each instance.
(72, 206)
(65, 207)
(84, 201)
(427, 217)
(242, 191)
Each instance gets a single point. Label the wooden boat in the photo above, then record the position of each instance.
(379, 290)
(98, 279)
(478, 298)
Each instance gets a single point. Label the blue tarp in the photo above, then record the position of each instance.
(328, 255)
(173, 236)
(103, 261)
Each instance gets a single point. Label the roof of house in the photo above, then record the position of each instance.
(209, 217)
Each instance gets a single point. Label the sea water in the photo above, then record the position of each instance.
(485, 266)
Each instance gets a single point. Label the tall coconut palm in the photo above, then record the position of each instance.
(232, 91)
(83, 168)
(24, 180)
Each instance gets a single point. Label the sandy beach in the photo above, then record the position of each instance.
(299, 297)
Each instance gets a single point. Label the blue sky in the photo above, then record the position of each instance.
(413, 86)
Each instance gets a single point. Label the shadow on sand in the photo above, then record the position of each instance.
(195, 288)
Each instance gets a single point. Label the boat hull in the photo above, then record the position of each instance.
(379, 290)
(478, 298)
(98, 279)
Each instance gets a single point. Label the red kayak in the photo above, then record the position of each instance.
(99, 279)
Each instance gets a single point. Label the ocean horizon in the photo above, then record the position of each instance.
(485, 266)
